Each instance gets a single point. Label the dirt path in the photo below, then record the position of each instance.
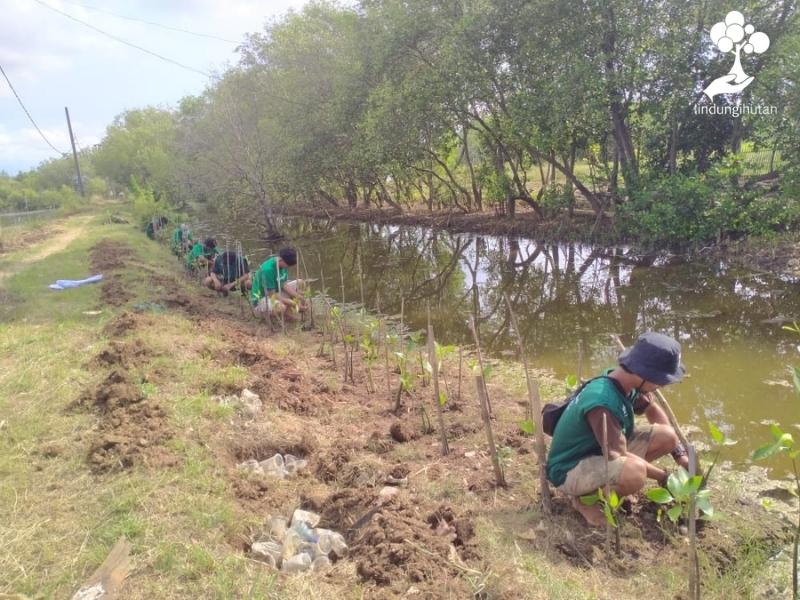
(55, 243)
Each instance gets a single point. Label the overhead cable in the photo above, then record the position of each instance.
(30, 118)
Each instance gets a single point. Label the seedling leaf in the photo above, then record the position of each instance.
(674, 513)
(659, 495)
(716, 434)
(527, 427)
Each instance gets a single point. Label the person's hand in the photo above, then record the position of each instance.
(683, 461)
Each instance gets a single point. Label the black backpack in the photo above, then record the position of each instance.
(552, 412)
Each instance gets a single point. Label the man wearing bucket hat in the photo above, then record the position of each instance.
(575, 463)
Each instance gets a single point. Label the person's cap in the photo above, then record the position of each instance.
(654, 357)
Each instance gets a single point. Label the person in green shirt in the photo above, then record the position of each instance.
(575, 463)
(202, 254)
(272, 293)
(181, 240)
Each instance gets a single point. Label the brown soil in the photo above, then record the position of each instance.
(132, 429)
(402, 432)
(261, 445)
(121, 324)
(125, 354)
(106, 257)
(400, 545)
(114, 292)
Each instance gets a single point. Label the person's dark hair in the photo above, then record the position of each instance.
(210, 243)
(289, 256)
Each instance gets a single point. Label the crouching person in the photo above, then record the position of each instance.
(272, 293)
(230, 271)
(575, 463)
(202, 255)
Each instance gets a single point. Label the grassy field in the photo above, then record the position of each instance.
(111, 426)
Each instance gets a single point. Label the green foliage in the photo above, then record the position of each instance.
(610, 504)
(680, 491)
(527, 427)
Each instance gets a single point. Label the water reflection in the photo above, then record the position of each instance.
(727, 318)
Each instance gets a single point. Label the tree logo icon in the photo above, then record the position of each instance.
(732, 35)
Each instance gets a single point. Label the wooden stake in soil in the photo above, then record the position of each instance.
(535, 408)
(580, 362)
(694, 564)
(474, 329)
(607, 489)
(341, 276)
(434, 362)
(361, 279)
(460, 363)
(480, 387)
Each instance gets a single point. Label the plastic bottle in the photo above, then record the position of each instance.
(297, 564)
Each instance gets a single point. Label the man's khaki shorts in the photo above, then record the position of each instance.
(590, 474)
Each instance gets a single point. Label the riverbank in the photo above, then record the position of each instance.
(583, 226)
(117, 420)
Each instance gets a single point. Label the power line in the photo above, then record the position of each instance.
(179, 29)
(122, 41)
(30, 118)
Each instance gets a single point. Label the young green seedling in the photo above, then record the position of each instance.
(611, 505)
(679, 493)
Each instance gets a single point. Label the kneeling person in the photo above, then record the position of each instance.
(202, 254)
(230, 271)
(575, 463)
(272, 293)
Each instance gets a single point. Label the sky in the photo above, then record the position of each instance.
(54, 62)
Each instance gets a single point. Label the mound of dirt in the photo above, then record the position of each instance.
(262, 446)
(402, 432)
(131, 428)
(132, 435)
(109, 255)
(397, 544)
(114, 292)
(378, 443)
(329, 464)
(121, 324)
(115, 391)
(342, 509)
(124, 354)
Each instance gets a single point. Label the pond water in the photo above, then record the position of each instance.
(728, 318)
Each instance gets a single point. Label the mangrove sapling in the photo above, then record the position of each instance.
(369, 351)
(442, 352)
(680, 490)
(610, 503)
(784, 443)
(406, 383)
(438, 397)
(719, 441)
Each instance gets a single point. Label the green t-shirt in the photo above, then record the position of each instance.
(265, 280)
(197, 251)
(573, 439)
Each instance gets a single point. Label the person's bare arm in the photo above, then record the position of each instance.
(617, 445)
(655, 414)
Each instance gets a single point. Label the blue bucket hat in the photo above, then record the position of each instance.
(654, 357)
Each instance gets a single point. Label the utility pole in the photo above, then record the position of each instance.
(75, 154)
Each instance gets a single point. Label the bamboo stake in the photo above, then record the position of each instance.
(662, 402)
(361, 280)
(608, 482)
(460, 363)
(480, 387)
(341, 276)
(480, 359)
(535, 408)
(694, 565)
(385, 342)
(434, 362)
(580, 362)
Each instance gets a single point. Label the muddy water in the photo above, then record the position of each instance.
(727, 318)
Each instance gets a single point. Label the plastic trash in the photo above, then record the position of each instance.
(338, 545)
(274, 467)
(251, 465)
(297, 564)
(308, 517)
(293, 463)
(268, 552)
(321, 563)
(277, 528)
